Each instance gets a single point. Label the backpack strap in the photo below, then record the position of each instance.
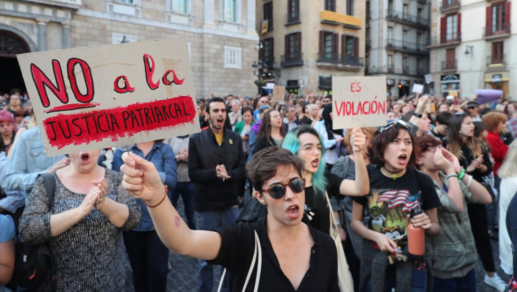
(49, 181)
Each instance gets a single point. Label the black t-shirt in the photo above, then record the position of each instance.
(236, 254)
(391, 201)
(317, 208)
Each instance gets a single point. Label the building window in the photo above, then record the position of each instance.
(390, 35)
(268, 14)
(419, 15)
(330, 5)
(497, 53)
(329, 43)
(419, 41)
(390, 7)
(232, 57)
(125, 1)
(350, 7)
(419, 68)
(350, 47)
(268, 53)
(293, 49)
(405, 67)
(180, 6)
(293, 11)
(450, 59)
(405, 11)
(450, 28)
(230, 10)
(405, 38)
(120, 38)
(390, 64)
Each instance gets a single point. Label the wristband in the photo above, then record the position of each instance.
(161, 201)
(461, 174)
(451, 175)
(469, 182)
(417, 115)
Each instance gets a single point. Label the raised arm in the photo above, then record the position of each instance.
(171, 229)
(361, 185)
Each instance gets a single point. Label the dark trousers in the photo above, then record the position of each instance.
(353, 261)
(466, 283)
(479, 226)
(186, 191)
(148, 257)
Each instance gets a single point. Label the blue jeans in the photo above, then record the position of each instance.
(213, 220)
(149, 259)
(463, 284)
(186, 191)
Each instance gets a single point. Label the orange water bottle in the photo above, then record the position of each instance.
(416, 236)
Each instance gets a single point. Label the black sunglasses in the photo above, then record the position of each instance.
(399, 122)
(471, 107)
(277, 191)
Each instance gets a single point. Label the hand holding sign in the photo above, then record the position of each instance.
(358, 140)
(421, 105)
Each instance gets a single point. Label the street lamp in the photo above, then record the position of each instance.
(469, 49)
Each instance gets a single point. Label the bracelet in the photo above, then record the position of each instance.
(451, 175)
(461, 174)
(417, 115)
(337, 223)
(161, 201)
(469, 183)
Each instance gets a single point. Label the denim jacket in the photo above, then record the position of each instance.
(29, 160)
(162, 156)
(14, 199)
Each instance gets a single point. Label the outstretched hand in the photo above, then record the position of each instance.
(141, 179)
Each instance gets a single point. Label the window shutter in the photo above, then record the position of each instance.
(356, 48)
(343, 45)
(300, 45)
(507, 15)
(322, 41)
(459, 27)
(335, 44)
(488, 20)
(287, 46)
(270, 15)
(443, 29)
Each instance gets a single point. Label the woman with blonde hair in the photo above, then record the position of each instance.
(508, 188)
(314, 114)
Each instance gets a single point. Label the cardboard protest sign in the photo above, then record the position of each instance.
(428, 78)
(99, 97)
(359, 102)
(278, 93)
(417, 88)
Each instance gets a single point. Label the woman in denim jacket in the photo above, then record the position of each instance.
(147, 254)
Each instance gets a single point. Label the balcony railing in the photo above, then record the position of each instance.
(291, 60)
(449, 65)
(496, 61)
(406, 18)
(450, 5)
(405, 70)
(405, 46)
(268, 62)
(450, 38)
(340, 59)
(495, 30)
(391, 68)
(421, 71)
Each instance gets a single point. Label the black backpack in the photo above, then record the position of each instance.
(33, 263)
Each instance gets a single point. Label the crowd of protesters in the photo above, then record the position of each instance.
(445, 166)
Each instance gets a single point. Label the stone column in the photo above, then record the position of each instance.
(67, 42)
(42, 34)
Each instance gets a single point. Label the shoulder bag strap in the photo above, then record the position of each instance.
(250, 271)
(332, 218)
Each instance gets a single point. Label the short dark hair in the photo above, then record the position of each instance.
(425, 142)
(445, 118)
(214, 99)
(264, 164)
(381, 140)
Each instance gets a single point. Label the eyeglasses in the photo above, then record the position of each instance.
(277, 191)
(263, 101)
(399, 122)
(471, 107)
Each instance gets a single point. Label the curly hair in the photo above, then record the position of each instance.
(381, 140)
(492, 120)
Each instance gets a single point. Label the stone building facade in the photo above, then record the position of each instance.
(304, 43)
(471, 47)
(397, 33)
(221, 34)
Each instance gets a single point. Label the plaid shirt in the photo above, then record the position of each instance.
(512, 125)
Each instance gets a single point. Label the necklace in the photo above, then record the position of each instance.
(394, 175)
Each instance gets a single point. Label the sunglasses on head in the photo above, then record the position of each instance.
(277, 191)
(399, 122)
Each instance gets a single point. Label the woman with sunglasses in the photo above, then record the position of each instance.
(454, 251)
(396, 191)
(307, 144)
(292, 256)
(475, 161)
